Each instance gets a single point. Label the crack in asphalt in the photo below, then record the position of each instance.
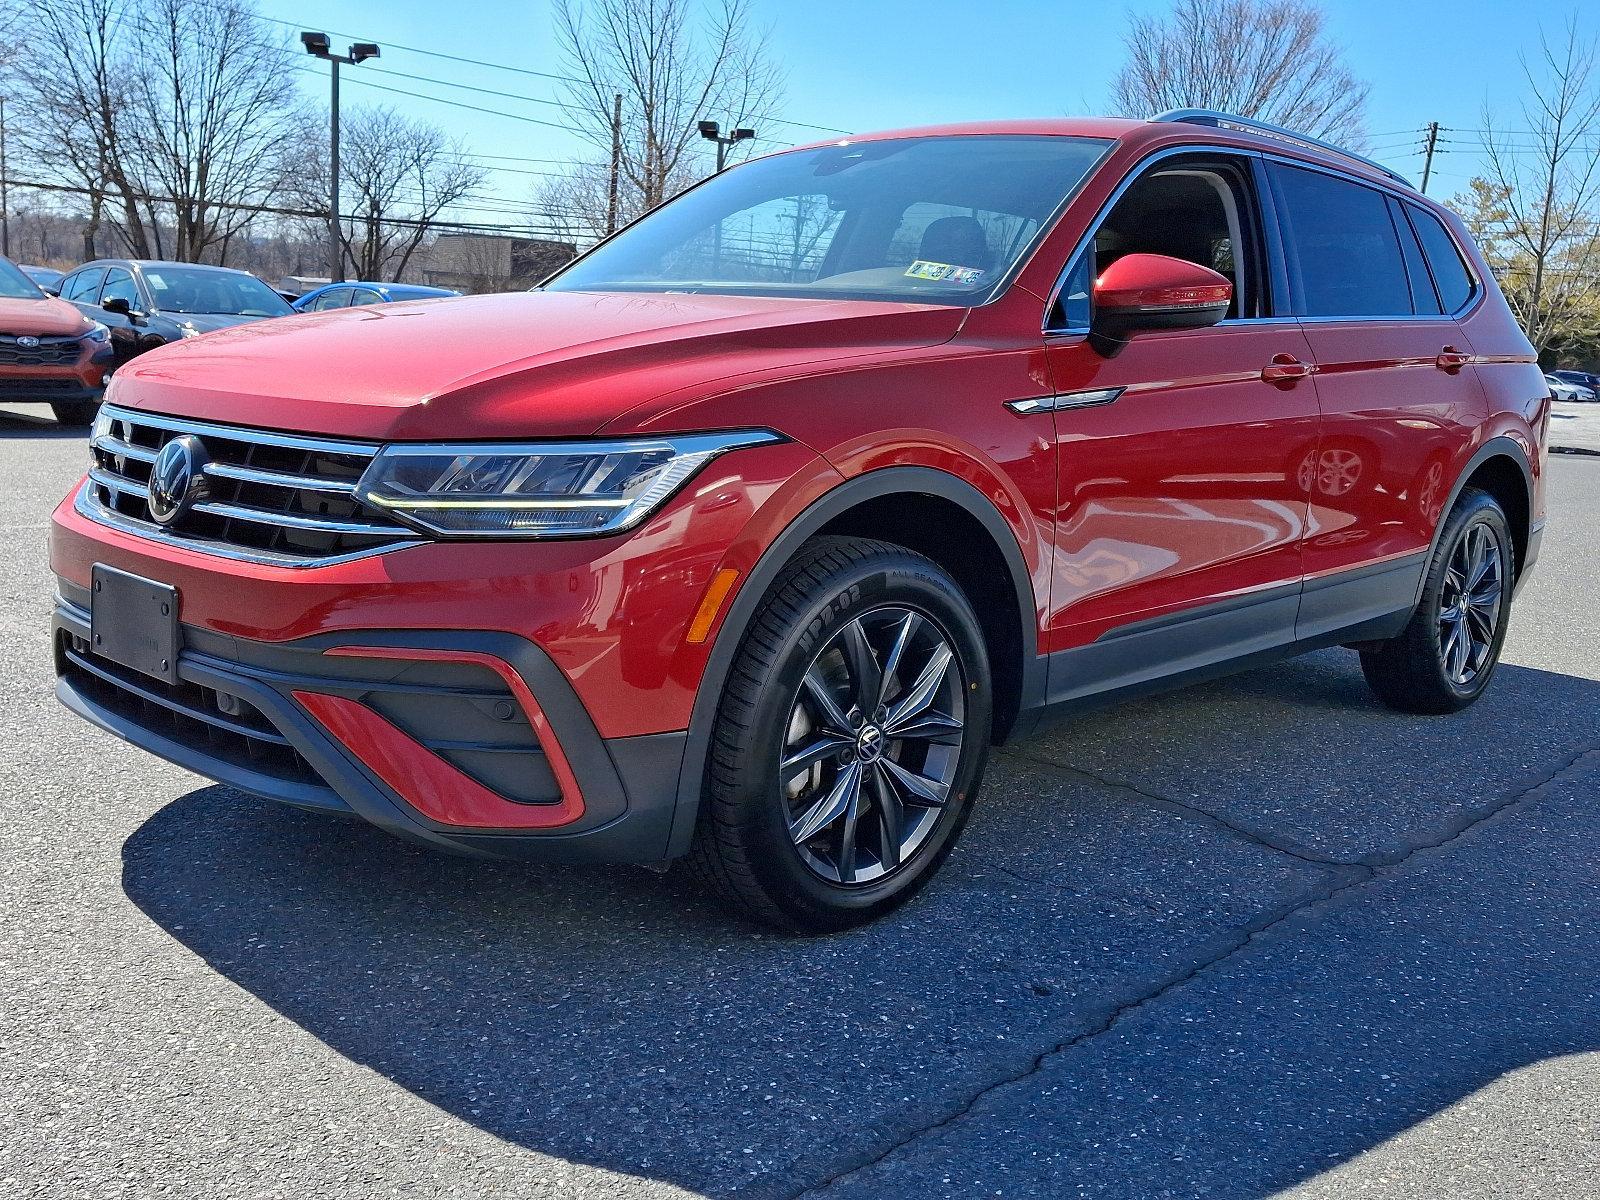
(1193, 811)
(1354, 875)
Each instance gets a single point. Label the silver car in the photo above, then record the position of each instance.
(1562, 390)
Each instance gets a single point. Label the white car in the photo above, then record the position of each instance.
(1562, 390)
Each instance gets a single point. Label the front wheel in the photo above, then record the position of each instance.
(1446, 656)
(850, 740)
(74, 412)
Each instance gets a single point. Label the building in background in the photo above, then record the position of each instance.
(473, 262)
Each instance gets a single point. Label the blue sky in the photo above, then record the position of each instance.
(873, 64)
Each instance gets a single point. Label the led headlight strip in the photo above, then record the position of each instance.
(539, 490)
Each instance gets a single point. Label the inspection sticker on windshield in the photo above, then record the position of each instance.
(943, 272)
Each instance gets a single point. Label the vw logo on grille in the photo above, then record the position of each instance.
(177, 479)
(27, 342)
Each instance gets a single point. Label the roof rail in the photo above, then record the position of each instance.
(1207, 116)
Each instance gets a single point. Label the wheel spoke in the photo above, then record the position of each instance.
(1459, 651)
(830, 808)
(891, 818)
(865, 674)
(897, 652)
(847, 838)
(833, 718)
(930, 726)
(807, 756)
(1483, 558)
(916, 789)
(1481, 624)
(921, 693)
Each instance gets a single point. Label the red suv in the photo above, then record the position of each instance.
(746, 535)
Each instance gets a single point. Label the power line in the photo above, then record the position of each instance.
(479, 62)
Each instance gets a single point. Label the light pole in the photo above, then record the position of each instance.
(712, 132)
(318, 46)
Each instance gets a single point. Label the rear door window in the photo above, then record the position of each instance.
(1346, 248)
(83, 285)
(1449, 272)
(1423, 297)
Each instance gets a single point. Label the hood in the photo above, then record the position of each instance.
(210, 322)
(530, 364)
(44, 317)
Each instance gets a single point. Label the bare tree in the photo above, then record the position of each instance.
(215, 116)
(69, 92)
(1536, 209)
(674, 63)
(398, 177)
(1268, 59)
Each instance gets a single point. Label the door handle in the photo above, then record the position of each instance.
(1284, 371)
(1451, 360)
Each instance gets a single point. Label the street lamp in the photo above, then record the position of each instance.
(318, 46)
(712, 132)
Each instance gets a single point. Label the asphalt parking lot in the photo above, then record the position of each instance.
(1254, 938)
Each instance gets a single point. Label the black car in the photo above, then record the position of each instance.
(146, 304)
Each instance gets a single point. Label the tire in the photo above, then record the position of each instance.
(1446, 657)
(74, 412)
(804, 647)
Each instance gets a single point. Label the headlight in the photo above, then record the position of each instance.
(556, 489)
(97, 333)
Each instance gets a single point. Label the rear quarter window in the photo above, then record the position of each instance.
(1450, 274)
(1348, 252)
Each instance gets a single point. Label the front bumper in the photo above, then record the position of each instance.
(82, 380)
(472, 741)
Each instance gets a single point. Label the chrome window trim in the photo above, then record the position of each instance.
(86, 506)
(1403, 194)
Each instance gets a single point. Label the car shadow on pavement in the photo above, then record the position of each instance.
(616, 1018)
(41, 425)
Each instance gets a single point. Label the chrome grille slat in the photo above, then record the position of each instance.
(277, 498)
(260, 516)
(306, 483)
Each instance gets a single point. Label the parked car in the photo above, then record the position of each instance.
(48, 278)
(746, 535)
(147, 304)
(354, 295)
(1563, 389)
(1581, 379)
(49, 352)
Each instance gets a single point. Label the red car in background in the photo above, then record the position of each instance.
(49, 352)
(747, 535)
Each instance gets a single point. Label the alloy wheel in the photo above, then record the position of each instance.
(1471, 604)
(872, 745)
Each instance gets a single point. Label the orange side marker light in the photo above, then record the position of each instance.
(710, 605)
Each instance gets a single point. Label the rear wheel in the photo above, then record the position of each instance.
(1444, 659)
(850, 740)
(74, 412)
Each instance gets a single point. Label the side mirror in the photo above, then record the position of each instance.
(118, 305)
(1153, 291)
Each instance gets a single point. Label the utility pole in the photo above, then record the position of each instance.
(616, 163)
(1428, 150)
(5, 187)
(318, 46)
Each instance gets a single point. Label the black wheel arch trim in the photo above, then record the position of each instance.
(1500, 446)
(888, 481)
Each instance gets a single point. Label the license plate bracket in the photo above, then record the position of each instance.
(134, 621)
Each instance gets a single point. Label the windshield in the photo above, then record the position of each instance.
(14, 285)
(933, 220)
(224, 293)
